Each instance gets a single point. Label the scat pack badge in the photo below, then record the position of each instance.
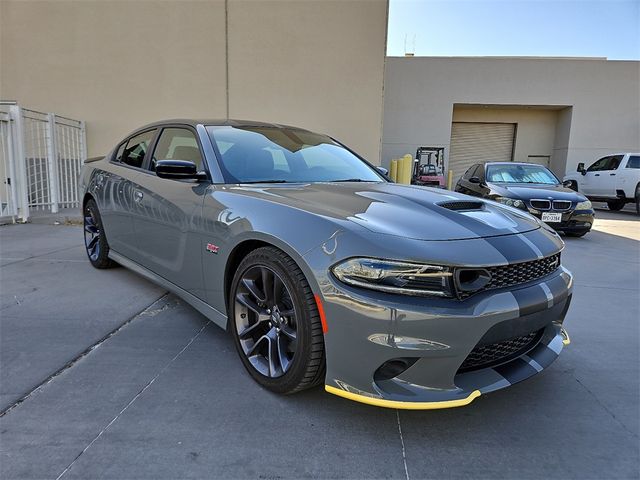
(211, 248)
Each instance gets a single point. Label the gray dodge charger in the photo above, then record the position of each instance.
(323, 270)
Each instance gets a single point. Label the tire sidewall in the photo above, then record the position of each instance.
(103, 259)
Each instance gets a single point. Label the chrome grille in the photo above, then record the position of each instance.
(540, 204)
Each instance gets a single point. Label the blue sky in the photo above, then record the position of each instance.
(567, 28)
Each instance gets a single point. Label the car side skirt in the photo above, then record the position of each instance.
(207, 310)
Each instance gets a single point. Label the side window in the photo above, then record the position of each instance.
(118, 156)
(599, 165)
(634, 162)
(136, 148)
(478, 171)
(614, 162)
(177, 144)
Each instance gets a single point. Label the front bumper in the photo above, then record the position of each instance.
(367, 329)
(573, 221)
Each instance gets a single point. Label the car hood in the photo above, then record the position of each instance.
(527, 192)
(401, 210)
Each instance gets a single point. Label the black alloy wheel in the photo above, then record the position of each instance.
(275, 322)
(95, 241)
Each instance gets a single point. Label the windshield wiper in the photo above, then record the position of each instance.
(349, 180)
(266, 181)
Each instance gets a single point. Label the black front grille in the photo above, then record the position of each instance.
(561, 204)
(541, 204)
(462, 205)
(484, 356)
(516, 274)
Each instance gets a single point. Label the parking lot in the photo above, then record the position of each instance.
(105, 375)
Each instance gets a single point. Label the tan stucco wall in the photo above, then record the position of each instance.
(121, 64)
(601, 99)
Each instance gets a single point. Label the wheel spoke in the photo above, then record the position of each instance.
(252, 328)
(93, 242)
(267, 284)
(254, 347)
(273, 354)
(246, 300)
(288, 332)
(254, 290)
(282, 353)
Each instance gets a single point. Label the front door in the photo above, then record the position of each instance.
(168, 223)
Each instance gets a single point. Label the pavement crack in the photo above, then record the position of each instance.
(41, 255)
(606, 409)
(404, 455)
(148, 384)
(76, 359)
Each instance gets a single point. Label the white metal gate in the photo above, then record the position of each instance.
(42, 154)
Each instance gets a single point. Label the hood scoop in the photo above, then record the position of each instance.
(462, 205)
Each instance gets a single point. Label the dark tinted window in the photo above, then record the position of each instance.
(469, 173)
(634, 162)
(265, 154)
(477, 172)
(606, 163)
(177, 144)
(136, 149)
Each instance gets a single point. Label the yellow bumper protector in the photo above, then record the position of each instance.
(565, 337)
(379, 402)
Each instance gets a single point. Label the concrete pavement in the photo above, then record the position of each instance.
(122, 381)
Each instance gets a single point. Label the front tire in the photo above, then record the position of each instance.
(638, 199)
(275, 323)
(615, 205)
(95, 241)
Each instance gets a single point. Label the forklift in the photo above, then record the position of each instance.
(428, 167)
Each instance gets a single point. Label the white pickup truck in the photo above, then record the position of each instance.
(614, 179)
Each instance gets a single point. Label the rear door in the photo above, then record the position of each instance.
(169, 224)
(116, 186)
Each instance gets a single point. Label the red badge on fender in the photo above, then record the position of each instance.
(211, 248)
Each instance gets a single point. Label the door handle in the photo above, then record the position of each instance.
(612, 174)
(596, 175)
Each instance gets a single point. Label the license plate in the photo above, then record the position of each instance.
(551, 217)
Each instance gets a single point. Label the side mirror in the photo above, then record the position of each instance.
(475, 180)
(567, 183)
(383, 171)
(178, 170)
(581, 169)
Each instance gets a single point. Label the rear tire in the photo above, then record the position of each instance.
(638, 199)
(615, 205)
(95, 240)
(275, 323)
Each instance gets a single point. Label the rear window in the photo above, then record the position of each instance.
(634, 162)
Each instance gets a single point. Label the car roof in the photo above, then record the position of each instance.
(230, 122)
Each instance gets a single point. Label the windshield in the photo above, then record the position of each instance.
(520, 174)
(259, 154)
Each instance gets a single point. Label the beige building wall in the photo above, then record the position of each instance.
(597, 99)
(535, 127)
(121, 64)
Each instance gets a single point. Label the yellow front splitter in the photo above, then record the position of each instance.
(379, 402)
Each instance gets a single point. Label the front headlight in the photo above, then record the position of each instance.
(512, 202)
(395, 277)
(586, 205)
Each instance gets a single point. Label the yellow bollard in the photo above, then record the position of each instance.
(393, 170)
(449, 180)
(402, 163)
(407, 170)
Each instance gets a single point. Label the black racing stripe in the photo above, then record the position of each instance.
(546, 242)
(512, 248)
(543, 355)
(516, 370)
(530, 300)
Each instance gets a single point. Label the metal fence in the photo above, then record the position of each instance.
(41, 157)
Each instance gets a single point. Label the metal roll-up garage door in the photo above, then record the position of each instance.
(479, 143)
